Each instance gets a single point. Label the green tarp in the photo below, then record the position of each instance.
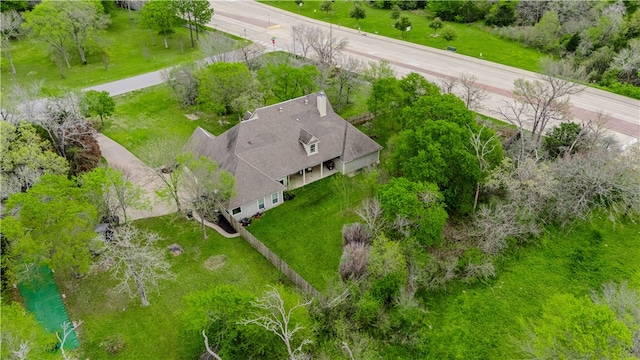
(42, 298)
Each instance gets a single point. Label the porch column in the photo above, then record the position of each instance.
(321, 176)
(304, 176)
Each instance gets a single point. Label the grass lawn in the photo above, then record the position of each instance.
(154, 332)
(483, 321)
(472, 39)
(125, 47)
(150, 113)
(306, 232)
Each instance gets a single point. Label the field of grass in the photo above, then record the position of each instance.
(154, 332)
(126, 44)
(484, 321)
(471, 41)
(150, 113)
(306, 232)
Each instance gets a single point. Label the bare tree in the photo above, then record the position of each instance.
(166, 159)
(539, 102)
(471, 93)
(482, 149)
(10, 28)
(597, 179)
(370, 211)
(376, 71)
(301, 39)
(277, 319)
(325, 47)
(67, 329)
(64, 122)
(217, 47)
(183, 83)
(139, 263)
(209, 351)
(346, 77)
(209, 189)
(251, 55)
(447, 84)
(23, 103)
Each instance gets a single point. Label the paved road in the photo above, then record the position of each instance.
(260, 23)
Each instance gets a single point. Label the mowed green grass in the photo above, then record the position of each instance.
(306, 232)
(124, 41)
(472, 39)
(144, 115)
(486, 321)
(155, 331)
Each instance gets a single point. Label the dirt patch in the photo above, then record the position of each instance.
(215, 262)
(192, 117)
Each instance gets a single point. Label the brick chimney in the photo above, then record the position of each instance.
(322, 104)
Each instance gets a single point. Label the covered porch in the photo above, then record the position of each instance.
(317, 172)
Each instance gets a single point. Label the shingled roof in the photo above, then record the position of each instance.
(267, 146)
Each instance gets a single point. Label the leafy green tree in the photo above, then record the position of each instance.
(14, 5)
(415, 208)
(55, 22)
(326, 6)
(112, 193)
(161, 16)
(395, 12)
(434, 106)
(562, 139)
(402, 24)
(435, 24)
(358, 13)
(449, 33)
(502, 13)
(197, 12)
(286, 81)
(22, 336)
(547, 33)
(98, 103)
(576, 328)
(446, 10)
(222, 84)
(387, 270)
(438, 152)
(52, 225)
(25, 158)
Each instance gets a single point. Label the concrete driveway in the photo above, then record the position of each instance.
(119, 157)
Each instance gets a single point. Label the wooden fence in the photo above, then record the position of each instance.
(360, 119)
(272, 257)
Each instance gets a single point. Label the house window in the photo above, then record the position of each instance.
(274, 198)
(236, 211)
(261, 204)
(312, 148)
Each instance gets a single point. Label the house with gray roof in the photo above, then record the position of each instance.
(284, 146)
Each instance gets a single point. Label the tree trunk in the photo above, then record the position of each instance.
(475, 201)
(166, 45)
(82, 56)
(13, 68)
(143, 293)
(191, 30)
(204, 228)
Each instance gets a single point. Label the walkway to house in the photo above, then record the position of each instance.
(140, 174)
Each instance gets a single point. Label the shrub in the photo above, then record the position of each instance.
(355, 233)
(354, 261)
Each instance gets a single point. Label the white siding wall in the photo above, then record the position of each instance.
(361, 162)
(250, 208)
